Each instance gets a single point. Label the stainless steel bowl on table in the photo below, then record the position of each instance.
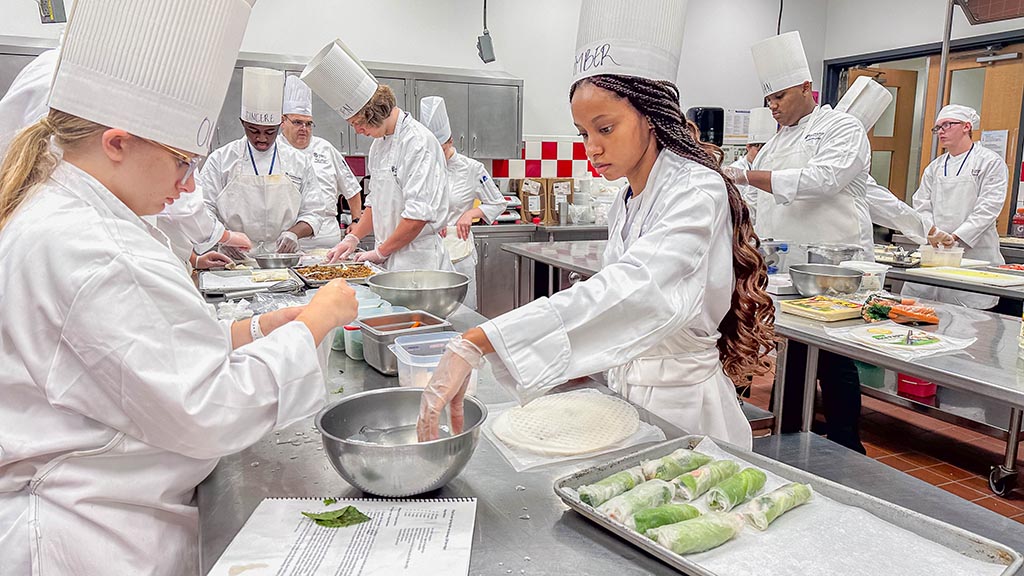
(276, 260)
(816, 279)
(436, 291)
(370, 440)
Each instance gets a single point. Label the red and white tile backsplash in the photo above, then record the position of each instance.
(545, 159)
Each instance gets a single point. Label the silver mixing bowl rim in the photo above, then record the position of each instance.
(373, 284)
(323, 411)
(841, 269)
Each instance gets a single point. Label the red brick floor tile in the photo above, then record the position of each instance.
(898, 463)
(950, 472)
(978, 483)
(922, 460)
(1000, 506)
(1018, 518)
(964, 491)
(930, 477)
(876, 451)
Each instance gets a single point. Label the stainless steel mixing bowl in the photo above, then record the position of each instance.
(370, 439)
(276, 260)
(815, 279)
(434, 291)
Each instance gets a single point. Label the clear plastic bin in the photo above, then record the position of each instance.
(941, 256)
(418, 356)
(874, 273)
(354, 342)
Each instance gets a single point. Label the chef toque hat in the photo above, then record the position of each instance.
(298, 98)
(780, 62)
(147, 68)
(762, 126)
(865, 101)
(632, 38)
(262, 96)
(340, 79)
(961, 113)
(434, 115)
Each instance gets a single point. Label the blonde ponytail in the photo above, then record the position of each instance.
(30, 161)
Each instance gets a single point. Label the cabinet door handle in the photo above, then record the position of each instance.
(486, 246)
(474, 143)
(462, 141)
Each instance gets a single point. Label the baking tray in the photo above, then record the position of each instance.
(957, 539)
(206, 290)
(318, 283)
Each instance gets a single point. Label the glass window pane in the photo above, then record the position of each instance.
(881, 163)
(886, 125)
(967, 87)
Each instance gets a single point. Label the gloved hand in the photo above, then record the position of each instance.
(288, 241)
(463, 225)
(448, 387)
(374, 256)
(937, 237)
(212, 259)
(237, 240)
(737, 175)
(347, 246)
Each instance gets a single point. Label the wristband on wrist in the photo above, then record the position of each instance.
(254, 327)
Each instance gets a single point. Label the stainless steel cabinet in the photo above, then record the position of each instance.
(494, 121)
(10, 66)
(357, 145)
(229, 124)
(495, 274)
(456, 101)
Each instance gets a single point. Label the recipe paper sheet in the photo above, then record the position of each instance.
(402, 537)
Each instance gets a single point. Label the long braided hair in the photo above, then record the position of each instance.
(748, 328)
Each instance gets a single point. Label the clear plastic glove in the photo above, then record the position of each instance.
(448, 388)
(737, 175)
(212, 259)
(937, 237)
(373, 256)
(347, 246)
(287, 242)
(238, 240)
(463, 225)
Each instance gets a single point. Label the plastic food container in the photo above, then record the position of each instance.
(380, 332)
(912, 386)
(353, 342)
(941, 256)
(870, 375)
(418, 356)
(874, 273)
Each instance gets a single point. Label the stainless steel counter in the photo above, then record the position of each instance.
(521, 525)
(582, 257)
(1011, 292)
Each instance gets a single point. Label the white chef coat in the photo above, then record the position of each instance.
(889, 211)
(819, 177)
(468, 180)
(748, 193)
(336, 180)
(233, 159)
(25, 102)
(650, 315)
(120, 391)
(963, 195)
(409, 180)
(189, 226)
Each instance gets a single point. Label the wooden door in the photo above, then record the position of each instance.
(1001, 99)
(890, 137)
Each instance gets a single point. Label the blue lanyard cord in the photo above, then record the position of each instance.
(945, 165)
(252, 159)
(629, 194)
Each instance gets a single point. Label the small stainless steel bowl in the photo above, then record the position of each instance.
(404, 469)
(276, 260)
(435, 291)
(815, 279)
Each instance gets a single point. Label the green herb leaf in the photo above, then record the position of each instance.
(347, 516)
(329, 501)
(340, 390)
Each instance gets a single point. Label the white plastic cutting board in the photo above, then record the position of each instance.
(980, 277)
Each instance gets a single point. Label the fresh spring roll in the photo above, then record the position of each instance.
(604, 490)
(650, 494)
(679, 462)
(735, 490)
(644, 520)
(702, 533)
(692, 484)
(764, 509)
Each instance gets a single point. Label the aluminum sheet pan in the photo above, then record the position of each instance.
(945, 535)
(317, 283)
(209, 285)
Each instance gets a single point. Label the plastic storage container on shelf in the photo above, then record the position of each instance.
(418, 356)
(353, 343)
(912, 386)
(941, 256)
(874, 273)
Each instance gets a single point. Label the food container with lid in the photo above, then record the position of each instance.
(941, 256)
(874, 273)
(353, 342)
(379, 332)
(418, 356)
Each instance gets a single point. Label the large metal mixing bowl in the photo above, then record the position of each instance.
(370, 439)
(276, 260)
(434, 291)
(815, 279)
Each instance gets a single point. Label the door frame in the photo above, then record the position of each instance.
(834, 66)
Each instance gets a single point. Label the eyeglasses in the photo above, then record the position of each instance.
(184, 160)
(944, 126)
(302, 123)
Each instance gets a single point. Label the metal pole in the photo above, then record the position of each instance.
(810, 388)
(940, 99)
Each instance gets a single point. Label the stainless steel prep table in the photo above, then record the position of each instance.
(1010, 292)
(556, 540)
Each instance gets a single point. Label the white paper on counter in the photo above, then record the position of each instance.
(522, 460)
(949, 344)
(402, 537)
(826, 537)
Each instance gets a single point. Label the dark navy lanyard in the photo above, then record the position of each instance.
(273, 159)
(946, 164)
